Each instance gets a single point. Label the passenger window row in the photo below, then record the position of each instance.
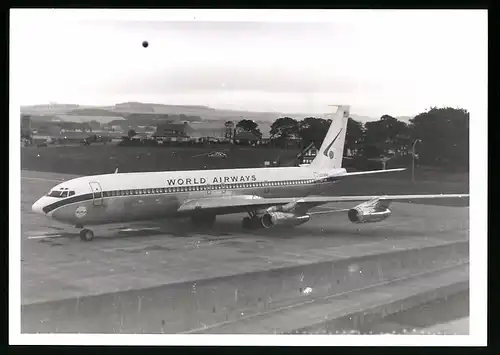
(176, 189)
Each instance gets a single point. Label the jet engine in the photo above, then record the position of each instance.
(369, 212)
(272, 219)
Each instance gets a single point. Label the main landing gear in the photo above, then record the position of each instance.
(251, 222)
(85, 234)
(203, 220)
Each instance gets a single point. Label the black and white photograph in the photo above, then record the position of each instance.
(314, 175)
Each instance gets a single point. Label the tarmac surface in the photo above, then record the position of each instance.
(55, 264)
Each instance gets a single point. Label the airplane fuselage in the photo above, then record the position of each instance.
(115, 198)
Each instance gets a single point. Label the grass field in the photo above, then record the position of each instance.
(101, 159)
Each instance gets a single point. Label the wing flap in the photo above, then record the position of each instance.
(233, 204)
(230, 204)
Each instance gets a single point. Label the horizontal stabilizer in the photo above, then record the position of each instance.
(341, 175)
(373, 172)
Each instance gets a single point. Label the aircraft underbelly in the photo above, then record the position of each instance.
(119, 209)
(143, 207)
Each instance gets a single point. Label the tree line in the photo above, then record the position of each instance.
(440, 136)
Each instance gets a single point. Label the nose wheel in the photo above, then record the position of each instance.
(86, 235)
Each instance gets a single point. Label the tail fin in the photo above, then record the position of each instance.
(330, 154)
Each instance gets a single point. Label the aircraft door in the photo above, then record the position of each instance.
(209, 189)
(317, 183)
(96, 193)
(266, 187)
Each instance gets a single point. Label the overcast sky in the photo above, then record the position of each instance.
(394, 62)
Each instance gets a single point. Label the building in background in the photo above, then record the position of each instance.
(208, 129)
(229, 129)
(102, 120)
(149, 118)
(151, 130)
(308, 154)
(245, 137)
(121, 126)
(173, 131)
(47, 129)
(26, 130)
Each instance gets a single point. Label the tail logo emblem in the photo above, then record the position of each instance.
(331, 154)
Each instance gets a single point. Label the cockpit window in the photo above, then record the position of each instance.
(60, 193)
(55, 193)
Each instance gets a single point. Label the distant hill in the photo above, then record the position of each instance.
(135, 107)
(205, 112)
(73, 118)
(89, 118)
(91, 112)
(157, 107)
(49, 108)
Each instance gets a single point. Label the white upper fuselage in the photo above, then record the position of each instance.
(111, 198)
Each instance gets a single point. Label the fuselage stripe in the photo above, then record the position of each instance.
(67, 201)
(178, 189)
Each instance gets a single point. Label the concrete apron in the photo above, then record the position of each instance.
(191, 306)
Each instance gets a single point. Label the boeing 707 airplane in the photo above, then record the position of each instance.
(277, 196)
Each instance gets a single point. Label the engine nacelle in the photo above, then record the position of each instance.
(360, 214)
(375, 210)
(272, 219)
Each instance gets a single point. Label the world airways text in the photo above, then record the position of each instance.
(215, 180)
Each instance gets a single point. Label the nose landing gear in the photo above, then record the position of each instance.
(86, 235)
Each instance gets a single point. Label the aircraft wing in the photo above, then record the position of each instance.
(242, 203)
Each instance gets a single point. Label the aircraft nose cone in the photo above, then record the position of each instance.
(37, 207)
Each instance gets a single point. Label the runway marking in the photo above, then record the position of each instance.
(39, 235)
(42, 179)
(46, 236)
(39, 232)
(138, 229)
(388, 225)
